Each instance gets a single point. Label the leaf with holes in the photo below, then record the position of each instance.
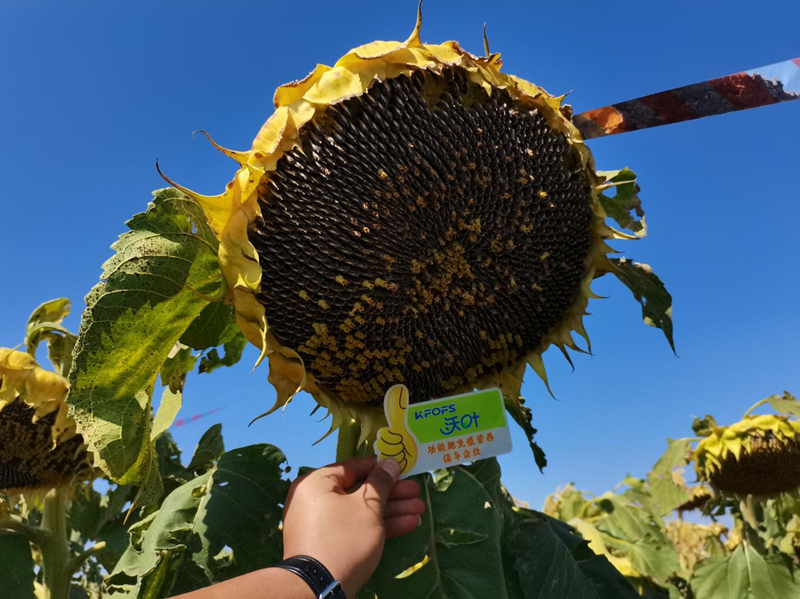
(176, 367)
(219, 525)
(163, 276)
(233, 353)
(624, 206)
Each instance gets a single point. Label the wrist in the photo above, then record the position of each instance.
(290, 584)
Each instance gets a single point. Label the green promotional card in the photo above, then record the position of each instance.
(442, 432)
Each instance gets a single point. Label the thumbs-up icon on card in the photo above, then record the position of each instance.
(396, 441)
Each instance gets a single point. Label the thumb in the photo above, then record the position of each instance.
(380, 482)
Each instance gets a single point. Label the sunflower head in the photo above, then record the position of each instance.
(39, 447)
(699, 496)
(410, 215)
(690, 540)
(759, 455)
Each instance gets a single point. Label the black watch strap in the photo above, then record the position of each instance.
(316, 576)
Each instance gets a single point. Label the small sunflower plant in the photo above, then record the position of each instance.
(43, 459)
(734, 533)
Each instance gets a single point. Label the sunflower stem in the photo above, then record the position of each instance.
(53, 544)
(347, 444)
(367, 448)
(747, 507)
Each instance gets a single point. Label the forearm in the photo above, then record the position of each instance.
(269, 583)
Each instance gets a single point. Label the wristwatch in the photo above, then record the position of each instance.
(316, 575)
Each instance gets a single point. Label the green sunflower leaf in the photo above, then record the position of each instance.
(566, 503)
(667, 487)
(666, 494)
(676, 456)
(650, 292)
(745, 574)
(624, 207)
(171, 402)
(215, 326)
(464, 510)
(16, 572)
(636, 533)
(233, 353)
(175, 369)
(217, 526)
(552, 561)
(86, 512)
(53, 312)
(783, 404)
(163, 276)
(473, 542)
(44, 324)
(523, 416)
(209, 448)
(715, 547)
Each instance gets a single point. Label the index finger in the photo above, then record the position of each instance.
(347, 473)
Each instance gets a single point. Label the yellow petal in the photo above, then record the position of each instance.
(334, 85)
(374, 50)
(290, 93)
(271, 133)
(445, 53)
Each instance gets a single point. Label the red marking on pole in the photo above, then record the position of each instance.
(669, 107)
(743, 91)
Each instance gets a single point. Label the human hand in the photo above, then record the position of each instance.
(395, 441)
(342, 515)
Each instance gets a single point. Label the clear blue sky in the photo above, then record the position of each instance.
(93, 93)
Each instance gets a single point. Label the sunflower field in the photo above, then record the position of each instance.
(412, 214)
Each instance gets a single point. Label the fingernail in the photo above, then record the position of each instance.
(419, 520)
(391, 466)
